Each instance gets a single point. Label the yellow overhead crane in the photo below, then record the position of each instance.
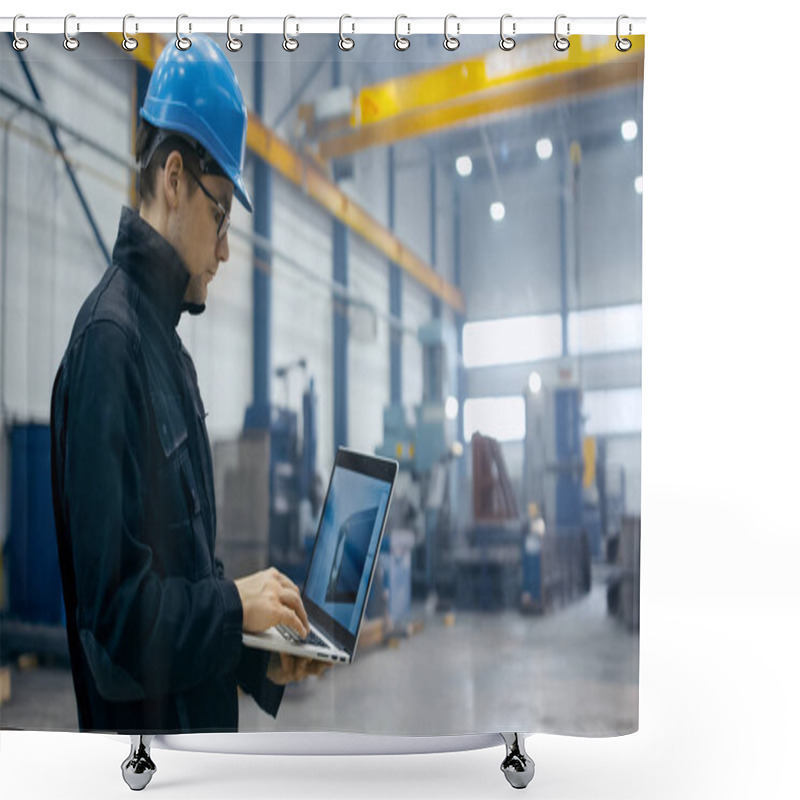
(311, 178)
(533, 73)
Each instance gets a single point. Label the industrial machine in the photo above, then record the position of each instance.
(561, 494)
(268, 491)
(425, 445)
(293, 483)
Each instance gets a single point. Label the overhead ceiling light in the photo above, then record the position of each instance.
(497, 211)
(535, 382)
(629, 130)
(638, 185)
(464, 166)
(544, 148)
(451, 408)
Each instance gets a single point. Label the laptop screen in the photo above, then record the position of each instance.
(349, 535)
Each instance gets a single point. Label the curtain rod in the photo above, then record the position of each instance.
(405, 26)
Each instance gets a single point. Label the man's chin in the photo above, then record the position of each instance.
(196, 295)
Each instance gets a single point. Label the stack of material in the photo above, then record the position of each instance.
(241, 483)
(566, 568)
(493, 497)
(623, 583)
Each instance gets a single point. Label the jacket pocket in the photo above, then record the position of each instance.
(180, 545)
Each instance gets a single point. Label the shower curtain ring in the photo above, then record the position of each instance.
(233, 44)
(128, 42)
(182, 42)
(70, 42)
(289, 44)
(623, 45)
(561, 43)
(400, 42)
(507, 42)
(19, 44)
(345, 42)
(451, 42)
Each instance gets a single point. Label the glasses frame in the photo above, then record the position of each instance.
(225, 222)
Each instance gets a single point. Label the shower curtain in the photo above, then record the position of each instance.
(443, 268)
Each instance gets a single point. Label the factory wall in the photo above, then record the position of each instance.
(301, 319)
(368, 354)
(513, 268)
(49, 255)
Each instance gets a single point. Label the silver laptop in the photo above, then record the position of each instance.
(342, 564)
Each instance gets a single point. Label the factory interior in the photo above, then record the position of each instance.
(443, 267)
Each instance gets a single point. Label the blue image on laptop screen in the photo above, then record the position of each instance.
(347, 540)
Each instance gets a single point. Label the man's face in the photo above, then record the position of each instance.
(197, 241)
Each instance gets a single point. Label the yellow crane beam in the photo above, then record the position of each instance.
(533, 73)
(310, 177)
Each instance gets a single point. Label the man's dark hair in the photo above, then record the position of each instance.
(150, 161)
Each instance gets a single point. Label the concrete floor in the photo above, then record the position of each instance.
(574, 671)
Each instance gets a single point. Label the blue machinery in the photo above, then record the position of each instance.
(292, 479)
(424, 449)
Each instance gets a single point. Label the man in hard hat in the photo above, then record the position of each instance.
(154, 625)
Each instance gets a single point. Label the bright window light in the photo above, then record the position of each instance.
(464, 166)
(515, 340)
(544, 149)
(605, 330)
(502, 418)
(451, 407)
(613, 411)
(629, 130)
(637, 184)
(535, 382)
(497, 211)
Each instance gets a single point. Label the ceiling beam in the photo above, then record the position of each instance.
(533, 74)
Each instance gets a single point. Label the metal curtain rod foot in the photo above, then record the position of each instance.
(518, 766)
(138, 768)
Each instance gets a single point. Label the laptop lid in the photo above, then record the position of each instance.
(342, 564)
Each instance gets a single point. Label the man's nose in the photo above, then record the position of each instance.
(223, 251)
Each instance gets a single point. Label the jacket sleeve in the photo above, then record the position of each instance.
(251, 673)
(143, 634)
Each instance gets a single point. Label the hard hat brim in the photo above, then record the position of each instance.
(240, 192)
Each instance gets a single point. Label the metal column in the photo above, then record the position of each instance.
(340, 337)
(436, 307)
(461, 377)
(395, 304)
(340, 309)
(257, 415)
(562, 228)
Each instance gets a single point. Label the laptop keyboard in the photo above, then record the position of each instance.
(312, 637)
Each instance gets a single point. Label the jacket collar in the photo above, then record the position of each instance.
(155, 265)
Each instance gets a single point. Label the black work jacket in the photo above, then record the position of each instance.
(154, 627)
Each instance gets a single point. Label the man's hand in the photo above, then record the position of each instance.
(289, 668)
(269, 598)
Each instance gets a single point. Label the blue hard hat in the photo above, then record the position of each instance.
(194, 92)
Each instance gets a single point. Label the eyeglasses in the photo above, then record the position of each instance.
(224, 217)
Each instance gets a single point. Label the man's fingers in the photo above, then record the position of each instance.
(284, 580)
(291, 599)
(318, 667)
(290, 619)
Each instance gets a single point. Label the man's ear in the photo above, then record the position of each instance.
(171, 177)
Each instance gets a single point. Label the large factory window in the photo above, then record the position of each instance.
(502, 418)
(515, 340)
(613, 411)
(605, 330)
